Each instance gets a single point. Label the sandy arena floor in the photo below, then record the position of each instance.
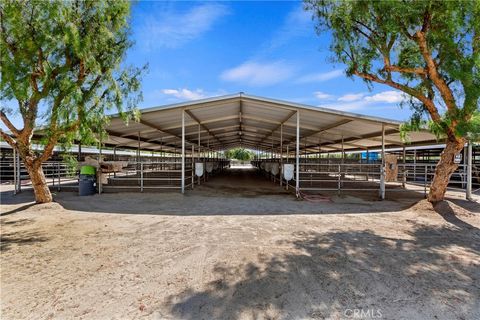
(239, 247)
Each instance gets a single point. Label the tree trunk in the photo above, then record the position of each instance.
(39, 183)
(445, 167)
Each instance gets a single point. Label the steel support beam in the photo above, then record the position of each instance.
(297, 158)
(202, 125)
(183, 151)
(469, 172)
(382, 169)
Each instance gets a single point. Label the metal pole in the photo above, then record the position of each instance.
(297, 157)
(415, 165)
(339, 182)
(404, 169)
(281, 154)
(100, 168)
(141, 177)
(183, 151)
(343, 151)
(425, 181)
(465, 160)
(382, 169)
(138, 148)
(469, 172)
(58, 175)
(79, 155)
(14, 171)
(193, 165)
(19, 174)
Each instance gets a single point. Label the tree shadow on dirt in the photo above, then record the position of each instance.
(16, 223)
(18, 209)
(417, 275)
(472, 206)
(8, 240)
(447, 212)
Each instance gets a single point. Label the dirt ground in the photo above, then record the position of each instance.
(238, 247)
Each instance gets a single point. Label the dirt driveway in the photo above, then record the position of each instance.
(207, 256)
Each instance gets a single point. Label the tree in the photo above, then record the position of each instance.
(428, 49)
(239, 154)
(61, 67)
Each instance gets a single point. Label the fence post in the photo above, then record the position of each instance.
(58, 175)
(141, 176)
(193, 166)
(404, 166)
(425, 181)
(382, 182)
(339, 184)
(14, 171)
(382, 169)
(53, 176)
(469, 172)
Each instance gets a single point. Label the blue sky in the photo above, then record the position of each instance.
(204, 49)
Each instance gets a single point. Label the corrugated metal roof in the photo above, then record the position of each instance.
(256, 122)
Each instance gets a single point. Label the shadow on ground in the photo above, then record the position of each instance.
(425, 277)
(20, 238)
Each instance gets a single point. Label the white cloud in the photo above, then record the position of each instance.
(358, 101)
(259, 74)
(351, 97)
(173, 29)
(320, 77)
(184, 94)
(388, 97)
(322, 95)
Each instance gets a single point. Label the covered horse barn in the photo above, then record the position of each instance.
(302, 148)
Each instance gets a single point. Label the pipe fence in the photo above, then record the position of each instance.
(333, 175)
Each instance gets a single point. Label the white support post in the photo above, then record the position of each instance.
(469, 172)
(14, 171)
(138, 148)
(343, 151)
(19, 174)
(281, 154)
(415, 165)
(404, 178)
(59, 176)
(297, 158)
(183, 151)
(382, 169)
(99, 173)
(141, 176)
(193, 165)
(465, 164)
